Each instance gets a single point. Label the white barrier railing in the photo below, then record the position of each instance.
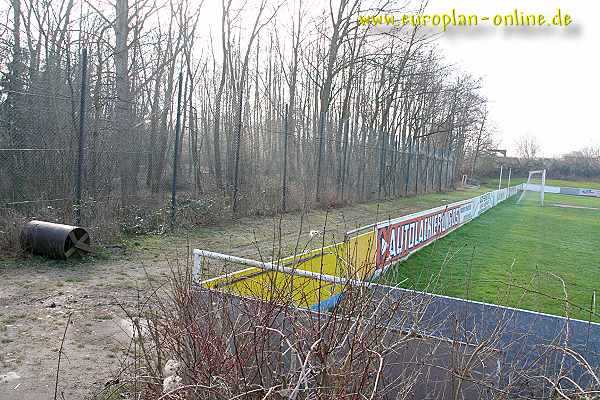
(398, 238)
(200, 254)
(466, 210)
(572, 191)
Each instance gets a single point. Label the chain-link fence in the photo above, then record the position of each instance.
(41, 183)
(65, 158)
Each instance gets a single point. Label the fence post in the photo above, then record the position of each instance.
(448, 169)
(321, 139)
(285, 148)
(82, 138)
(381, 169)
(408, 157)
(454, 169)
(175, 153)
(426, 166)
(441, 159)
(433, 155)
(500, 180)
(417, 158)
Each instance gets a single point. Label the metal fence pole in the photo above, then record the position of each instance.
(82, 139)
(175, 153)
(500, 179)
(409, 156)
(417, 157)
(320, 139)
(285, 149)
(447, 170)
(427, 166)
(441, 159)
(433, 156)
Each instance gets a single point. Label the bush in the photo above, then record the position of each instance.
(12, 221)
(10, 229)
(205, 210)
(139, 220)
(369, 346)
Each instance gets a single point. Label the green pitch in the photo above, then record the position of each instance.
(518, 256)
(493, 183)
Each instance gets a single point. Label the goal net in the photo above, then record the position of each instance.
(533, 190)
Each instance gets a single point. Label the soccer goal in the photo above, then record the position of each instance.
(536, 183)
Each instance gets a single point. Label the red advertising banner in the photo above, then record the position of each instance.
(397, 240)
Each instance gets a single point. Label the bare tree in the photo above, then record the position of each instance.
(372, 114)
(527, 147)
(481, 142)
(122, 116)
(217, 109)
(240, 85)
(341, 23)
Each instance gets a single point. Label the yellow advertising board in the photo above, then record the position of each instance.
(352, 259)
(361, 257)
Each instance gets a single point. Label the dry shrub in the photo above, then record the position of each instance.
(264, 197)
(153, 216)
(232, 347)
(261, 197)
(333, 200)
(12, 221)
(207, 209)
(369, 346)
(10, 229)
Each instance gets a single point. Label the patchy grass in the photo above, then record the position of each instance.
(43, 263)
(579, 201)
(516, 255)
(112, 391)
(287, 234)
(11, 319)
(261, 237)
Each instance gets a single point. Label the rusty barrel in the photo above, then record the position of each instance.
(54, 240)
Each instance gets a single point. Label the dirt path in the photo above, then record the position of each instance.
(37, 296)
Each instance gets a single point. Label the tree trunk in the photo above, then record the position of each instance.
(122, 101)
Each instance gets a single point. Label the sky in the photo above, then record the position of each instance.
(540, 82)
(543, 83)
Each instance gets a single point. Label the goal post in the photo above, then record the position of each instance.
(536, 182)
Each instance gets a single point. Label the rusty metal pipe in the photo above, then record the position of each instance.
(54, 240)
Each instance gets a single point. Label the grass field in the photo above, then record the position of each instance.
(517, 255)
(493, 183)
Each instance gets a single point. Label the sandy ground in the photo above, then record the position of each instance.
(37, 297)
